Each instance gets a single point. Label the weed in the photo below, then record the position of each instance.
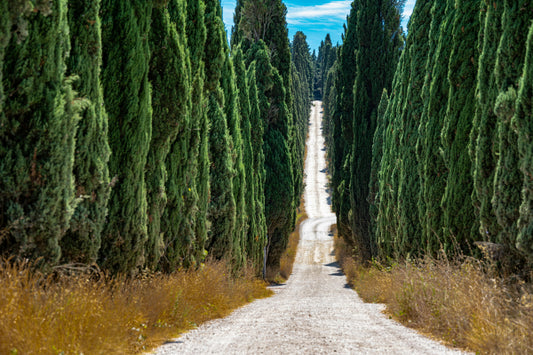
(459, 301)
(93, 313)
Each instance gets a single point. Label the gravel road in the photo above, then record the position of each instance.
(315, 312)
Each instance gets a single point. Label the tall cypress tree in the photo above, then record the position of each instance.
(416, 55)
(252, 250)
(387, 223)
(263, 22)
(523, 123)
(231, 110)
(221, 210)
(196, 201)
(458, 210)
(343, 125)
(508, 69)
(255, 247)
(375, 61)
(434, 170)
(126, 55)
(169, 78)
(37, 135)
(482, 137)
(82, 241)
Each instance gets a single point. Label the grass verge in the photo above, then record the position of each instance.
(92, 313)
(460, 302)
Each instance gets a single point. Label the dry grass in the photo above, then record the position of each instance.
(95, 314)
(287, 259)
(462, 303)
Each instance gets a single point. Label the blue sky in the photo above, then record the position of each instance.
(315, 18)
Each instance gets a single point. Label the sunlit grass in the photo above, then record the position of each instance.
(91, 313)
(460, 302)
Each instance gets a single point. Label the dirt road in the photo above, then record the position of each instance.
(315, 312)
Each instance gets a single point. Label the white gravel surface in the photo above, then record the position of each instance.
(315, 312)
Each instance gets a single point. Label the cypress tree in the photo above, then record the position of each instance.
(343, 125)
(196, 202)
(263, 22)
(82, 241)
(482, 137)
(416, 55)
(221, 241)
(252, 252)
(169, 78)
(375, 61)
(523, 123)
(221, 210)
(255, 247)
(387, 223)
(301, 81)
(437, 86)
(126, 55)
(377, 154)
(458, 210)
(231, 110)
(37, 134)
(506, 200)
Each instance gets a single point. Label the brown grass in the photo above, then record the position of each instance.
(462, 303)
(287, 259)
(95, 314)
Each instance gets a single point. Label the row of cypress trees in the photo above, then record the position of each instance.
(450, 161)
(133, 136)
(364, 66)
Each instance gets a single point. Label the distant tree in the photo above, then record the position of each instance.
(126, 55)
(83, 239)
(37, 133)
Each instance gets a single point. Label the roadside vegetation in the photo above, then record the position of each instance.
(88, 312)
(462, 302)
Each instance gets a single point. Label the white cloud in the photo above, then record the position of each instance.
(337, 9)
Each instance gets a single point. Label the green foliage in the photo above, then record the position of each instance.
(343, 125)
(435, 91)
(259, 239)
(375, 60)
(416, 51)
(221, 241)
(222, 209)
(523, 123)
(169, 77)
(508, 69)
(82, 241)
(456, 201)
(37, 134)
(483, 134)
(126, 54)
(196, 200)
(233, 118)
